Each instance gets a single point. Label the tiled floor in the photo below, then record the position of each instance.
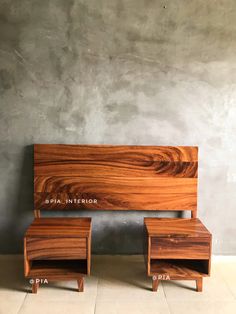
(118, 285)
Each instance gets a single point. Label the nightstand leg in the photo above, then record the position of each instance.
(154, 283)
(199, 284)
(35, 286)
(80, 284)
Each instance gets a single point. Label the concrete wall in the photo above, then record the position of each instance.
(118, 72)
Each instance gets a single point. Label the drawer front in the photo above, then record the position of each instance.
(56, 248)
(187, 248)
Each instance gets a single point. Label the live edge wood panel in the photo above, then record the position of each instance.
(117, 177)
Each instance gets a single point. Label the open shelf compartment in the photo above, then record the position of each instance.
(179, 268)
(57, 269)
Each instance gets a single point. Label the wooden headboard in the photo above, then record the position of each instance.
(106, 177)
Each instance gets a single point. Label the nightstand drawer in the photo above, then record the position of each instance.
(187, 248)
(56, 248)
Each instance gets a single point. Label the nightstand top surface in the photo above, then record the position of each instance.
(175, 227)
(60, 227)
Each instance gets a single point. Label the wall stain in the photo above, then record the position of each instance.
(121, 113)
(6, 80)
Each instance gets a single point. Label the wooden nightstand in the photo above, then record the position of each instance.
(58, 249)
(177, 249)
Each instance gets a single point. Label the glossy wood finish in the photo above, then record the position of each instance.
(156, 279)
(58, 249)
(175, 227)
(177, 249)
(58, 269)
(188, 248)
(60, 227)
(35, 286)
(119, 201)
(199, 283)
(80, 283)
(58, 152)
(106, 177)
(178, 269)
(118, 177)
(155, 283)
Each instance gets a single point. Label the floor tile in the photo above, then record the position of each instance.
(213, 289)
(12, 274)
(13, 287)
(118, 284)
(227, 269)
(10, 303)
(132, 306)
(34, 305)
(67, 290)
(124, 277)
(203, 307)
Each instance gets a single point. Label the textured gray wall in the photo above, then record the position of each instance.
(119, 72)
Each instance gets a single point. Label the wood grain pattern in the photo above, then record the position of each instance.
(187, 248)
(49, 152)
(56, 248)
(199, 283)
(177, 248)
(181, 238)
(89, 255)
(26, 260)
(118, 177)
(59, 227)
(58, 269)
(177, 269)
(115, 168)
(118, 201)
(113, 185)
(176, 228)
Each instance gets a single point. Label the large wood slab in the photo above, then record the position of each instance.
(115, 177)
(117, 168)
(112, 184)
(58, 152)
(116, 201)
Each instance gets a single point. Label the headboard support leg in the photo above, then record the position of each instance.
(37, 213)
